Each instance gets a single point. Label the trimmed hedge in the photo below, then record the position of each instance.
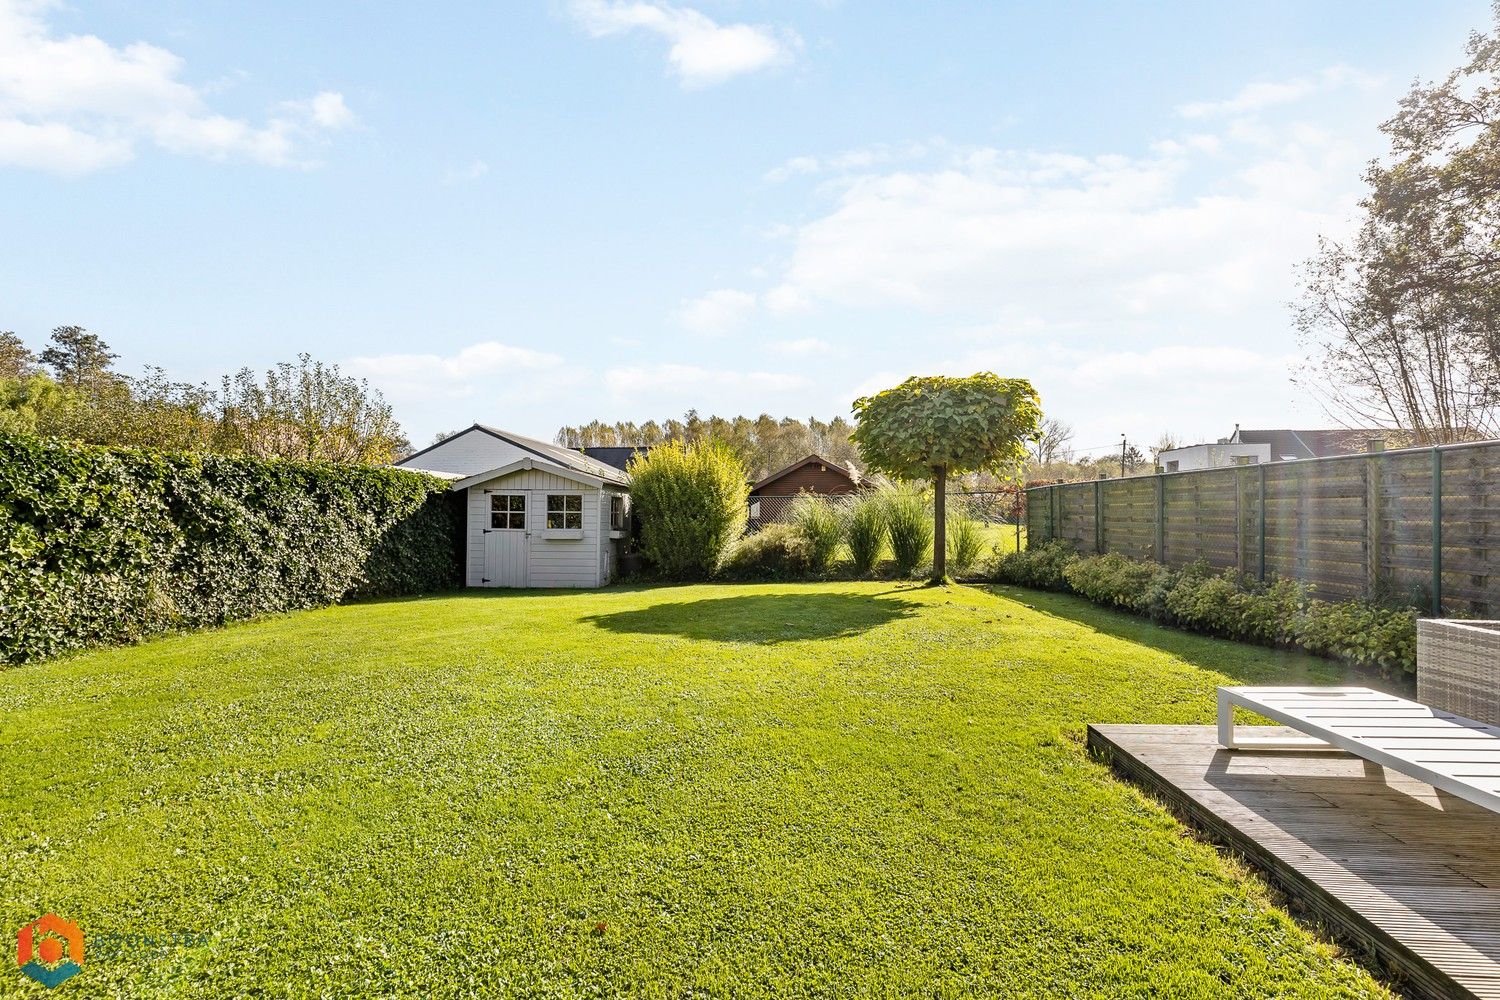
(110, 545)
(1280, 613)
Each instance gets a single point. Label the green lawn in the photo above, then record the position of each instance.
(820, 790)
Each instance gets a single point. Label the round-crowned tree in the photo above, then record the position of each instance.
(937, 426)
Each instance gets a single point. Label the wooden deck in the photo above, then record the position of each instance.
(1403, 871)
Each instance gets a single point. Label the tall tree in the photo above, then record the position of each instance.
(16, 359)
(939, 426)
(1053, 443)
(308, 411)
(77, 357)
(1403, 321)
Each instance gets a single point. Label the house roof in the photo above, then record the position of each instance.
(779, 473)
(1321, 443)
(523, 464)
(557, 455)
(618, 456)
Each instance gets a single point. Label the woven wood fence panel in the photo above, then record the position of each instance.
(1351, 526)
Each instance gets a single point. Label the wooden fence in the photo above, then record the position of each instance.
(1419, 525)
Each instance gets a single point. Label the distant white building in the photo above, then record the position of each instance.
(1256, 447)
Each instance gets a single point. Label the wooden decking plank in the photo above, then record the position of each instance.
(1409, 873)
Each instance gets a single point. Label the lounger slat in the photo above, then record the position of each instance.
(1449, 752)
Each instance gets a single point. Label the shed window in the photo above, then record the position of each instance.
(617, 513)
(565, 510)
(508, 511)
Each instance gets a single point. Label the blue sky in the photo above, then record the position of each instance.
(529, 214)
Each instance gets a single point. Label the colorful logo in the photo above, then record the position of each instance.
(50, 950)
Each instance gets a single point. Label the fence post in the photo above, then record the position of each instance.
(1261, 513)
(1098, 518)
(1161, 519)
(1373, 517)
(1437, 533)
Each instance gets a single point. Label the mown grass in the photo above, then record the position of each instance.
(805, 790)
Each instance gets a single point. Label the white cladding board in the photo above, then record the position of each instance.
(550, 561)
(468, 453)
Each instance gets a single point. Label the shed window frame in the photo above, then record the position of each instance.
(564, 512)
(619, 518)
(507, 511)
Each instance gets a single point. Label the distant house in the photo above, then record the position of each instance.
(772, 496)
(538, 515)
(618, 456)
(1254, 447)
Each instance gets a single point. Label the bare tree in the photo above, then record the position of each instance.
(1402, 323)
(1054, 444)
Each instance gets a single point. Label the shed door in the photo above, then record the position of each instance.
(507, 540)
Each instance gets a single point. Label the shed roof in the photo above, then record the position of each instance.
(565, 458)
(800, 463)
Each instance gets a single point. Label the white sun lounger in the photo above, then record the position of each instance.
(1457, 755)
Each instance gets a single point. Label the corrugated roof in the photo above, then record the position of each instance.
(566, 457)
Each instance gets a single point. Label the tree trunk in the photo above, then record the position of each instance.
(940, 523)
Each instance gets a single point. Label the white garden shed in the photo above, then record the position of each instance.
(537, 514)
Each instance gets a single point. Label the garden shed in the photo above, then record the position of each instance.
(537, 514)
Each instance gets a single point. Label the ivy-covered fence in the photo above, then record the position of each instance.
(108, 545)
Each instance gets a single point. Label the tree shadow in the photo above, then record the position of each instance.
(759, 618)
(1242, 662)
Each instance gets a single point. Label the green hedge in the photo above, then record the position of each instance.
(104, 545)
(1279, 613)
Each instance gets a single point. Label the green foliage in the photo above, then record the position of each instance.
(691, 501)
(775, 552)
(965, 543)
(820, 523)
(867, 531)
(1040, 566)
(764, 444)
(1278, 613)
(103, 545)
(979, 423)
(908, 519)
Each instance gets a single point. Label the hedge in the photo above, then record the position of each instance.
(110, 545)
(1280, 613)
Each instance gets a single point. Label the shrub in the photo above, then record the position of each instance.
(1278, 613)
(691, 501)
(867, 532)
(1111, 579)
(965, 543)
(1040, 566)
(908, 519)
(775, 552)
(820, 524)
(108, 545)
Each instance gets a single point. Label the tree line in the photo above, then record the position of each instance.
(763, 444)
(304, 410)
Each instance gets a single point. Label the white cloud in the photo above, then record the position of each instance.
(486, 367)
(71, 104)
(702, 52)
(717, 312)
(802, 347)
(1256, 97)
(673, 379)
(471, 171)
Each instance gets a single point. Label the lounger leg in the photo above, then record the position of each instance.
(1226, 720)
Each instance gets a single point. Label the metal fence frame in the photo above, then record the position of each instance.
(1420, 524)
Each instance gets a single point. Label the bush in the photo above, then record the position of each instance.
(908, 519)
(775, 552)
(867, 532)
(965, 543)
(1277, 613)
(820, 523)
(691, 501)
(109, 545)
(1041, 566)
